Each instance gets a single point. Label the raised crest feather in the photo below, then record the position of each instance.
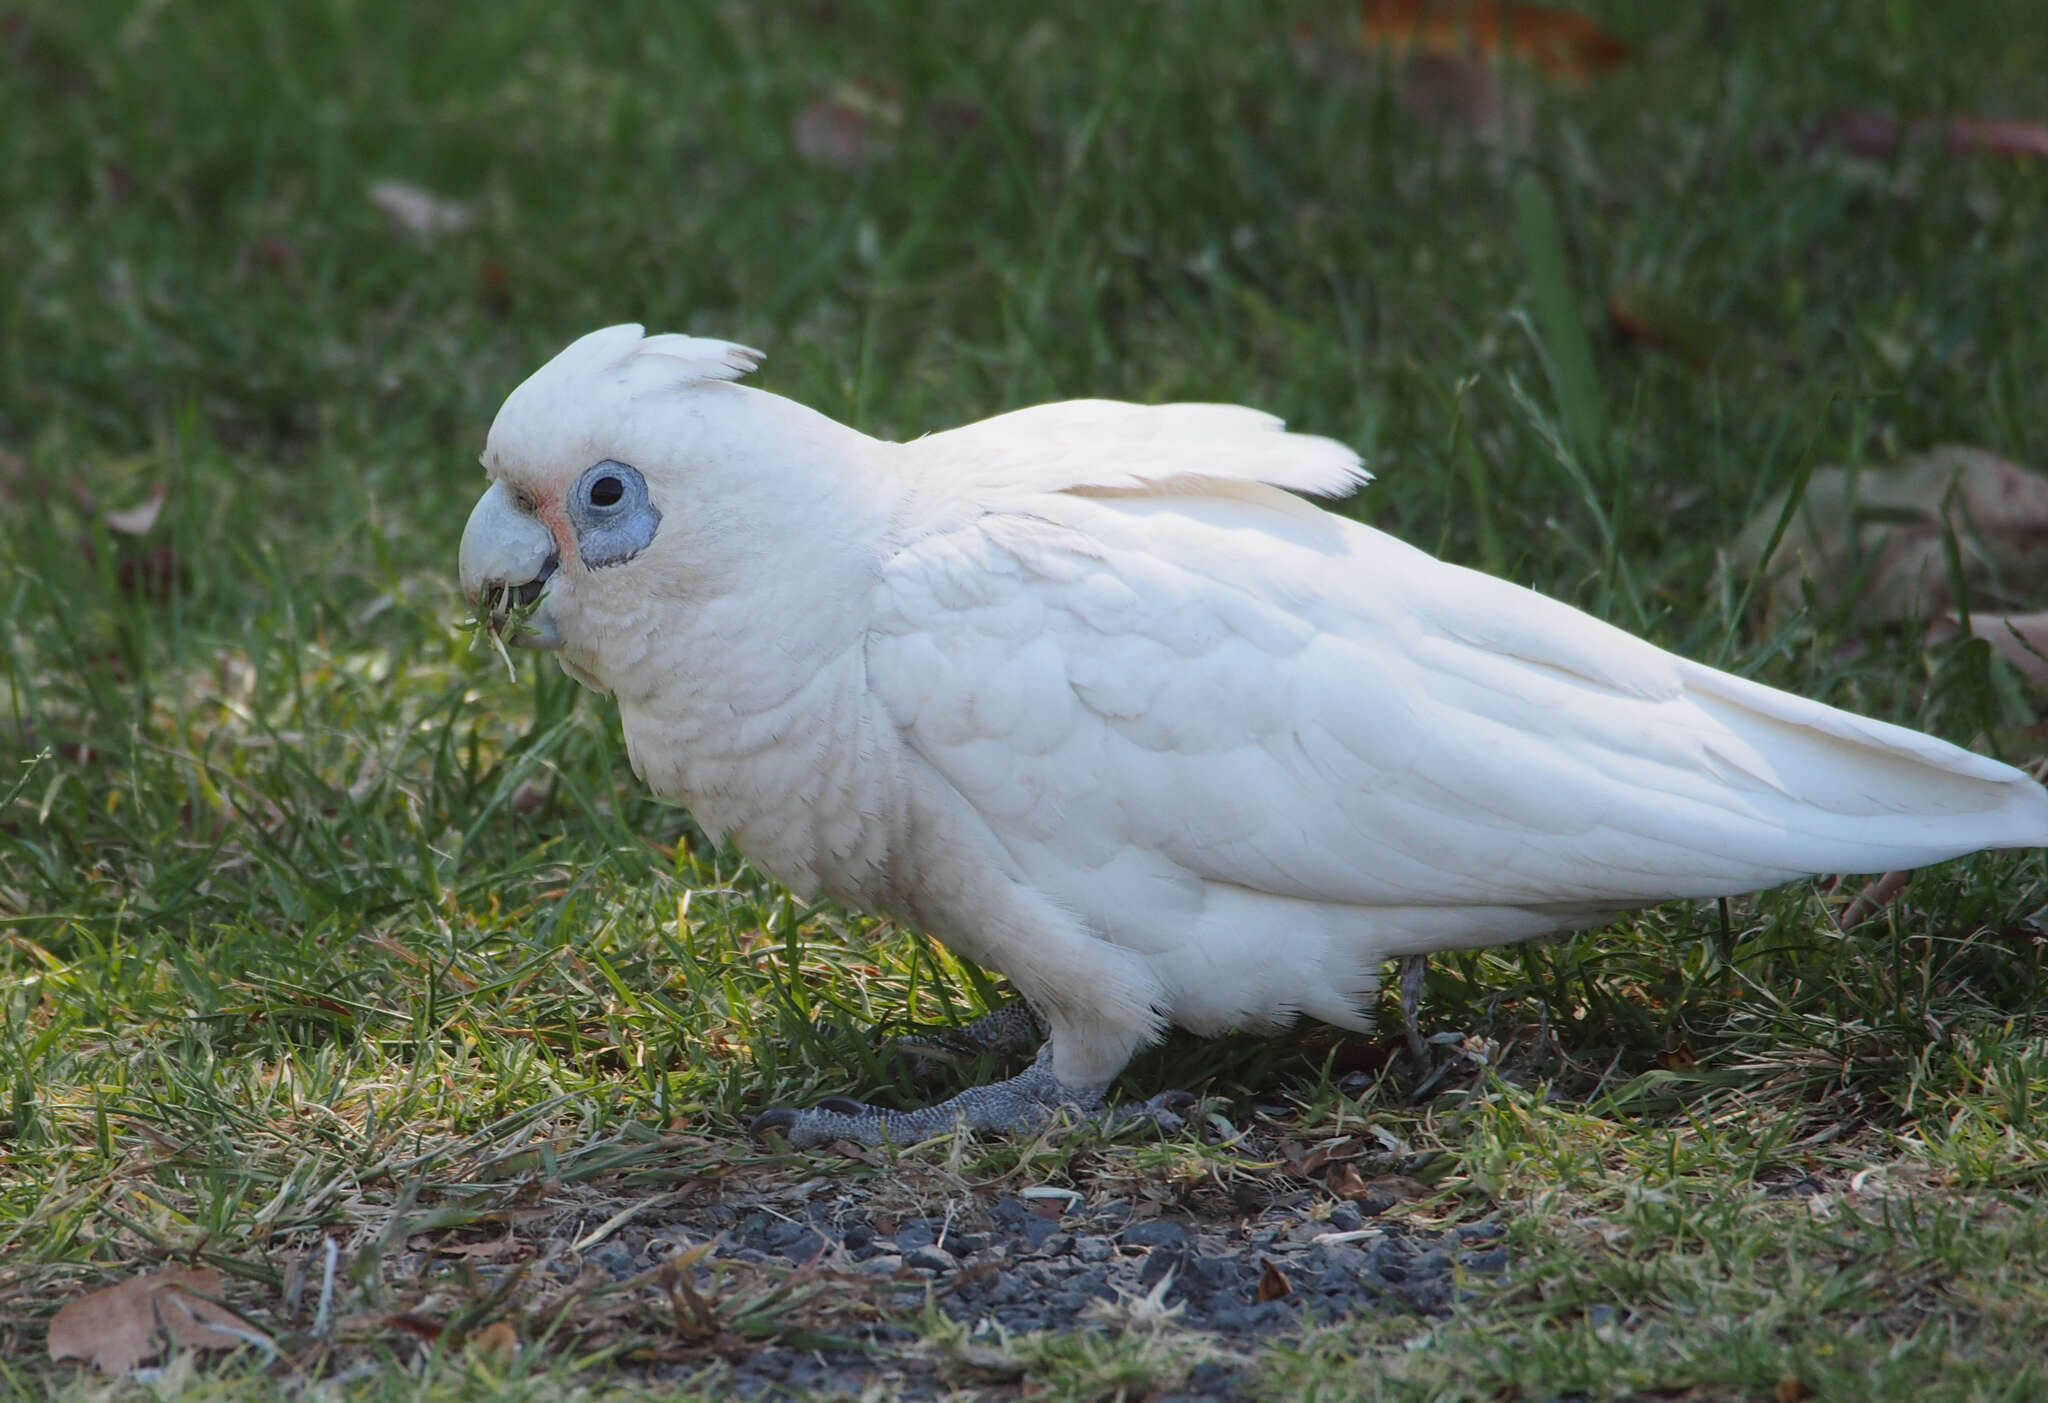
(703, 357)
(626, 349)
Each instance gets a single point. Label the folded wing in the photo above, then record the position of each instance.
(1148, 678)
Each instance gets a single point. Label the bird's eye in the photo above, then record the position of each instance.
(606, 491)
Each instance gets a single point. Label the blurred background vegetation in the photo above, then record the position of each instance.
(274, 265)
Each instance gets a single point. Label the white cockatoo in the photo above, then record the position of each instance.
(1086, 692)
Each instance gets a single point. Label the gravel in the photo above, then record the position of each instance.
(1015, 1265)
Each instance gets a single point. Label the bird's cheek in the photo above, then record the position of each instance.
(551, 515)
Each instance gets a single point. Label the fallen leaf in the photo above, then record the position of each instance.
(1462, 90)
(424, 1326)
(1793, 1389)
(2021, 639)
(1332, 1152)
(492, 1250)
(118, 1327)
(419, 211)
(494, 287)
(850, 126)
(273, 253)
(1273, 1282)
(1640, 316)
(1878, 135)
(1346, 1183)
(139, 521)
(15, 485)
(1874, 898)
(1401, 1186)
(497, 1341)
(1884, 532)
(1678, 1059)
(1563, 45)
(1996, 137)
(951, 118)
(152, 575)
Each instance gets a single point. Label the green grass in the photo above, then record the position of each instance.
(311, 924)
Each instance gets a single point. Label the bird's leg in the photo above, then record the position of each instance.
(1413, 967)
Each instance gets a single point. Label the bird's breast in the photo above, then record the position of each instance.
(803, 784)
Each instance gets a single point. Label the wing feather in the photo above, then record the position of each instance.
(1224, 688)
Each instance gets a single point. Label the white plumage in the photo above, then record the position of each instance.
(1083, 692)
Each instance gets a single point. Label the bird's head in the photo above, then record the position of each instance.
(621, 480)
(630, 477)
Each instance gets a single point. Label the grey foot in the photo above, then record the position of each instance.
(1013, 1031)
(1026, 1102)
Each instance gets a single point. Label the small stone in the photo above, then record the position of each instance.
(1429, 1296)
(857, 1236)
(1272, 1312)
(1012, 1212)
(1039, 1232)
(1345, 1217)
(1217, 1273)
(1495, 1260)
(882, 1264)
(931, 1259)
(1231, 1318)
(614, 1259)
(1091, 1248)
(1158, 1262)
(1092, 1282)
(1214, 1379)
(1160, 1232)
(802, 1247)
(1336, 1256)
(918, 1232)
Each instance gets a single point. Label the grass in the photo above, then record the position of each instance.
(313, 927)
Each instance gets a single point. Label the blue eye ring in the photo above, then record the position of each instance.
(613, 514)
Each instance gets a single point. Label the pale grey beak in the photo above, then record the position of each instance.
(507, 559)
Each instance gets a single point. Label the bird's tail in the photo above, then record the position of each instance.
(1863, 795)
